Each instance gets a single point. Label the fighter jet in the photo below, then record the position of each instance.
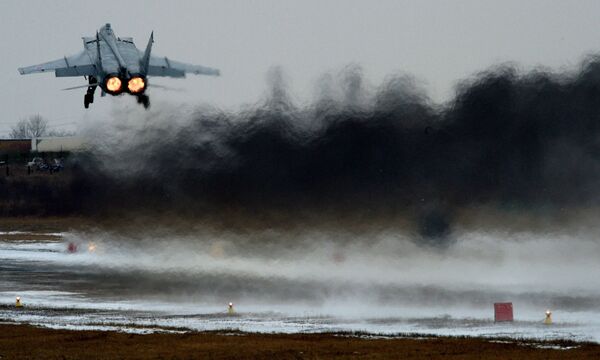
(117, 66)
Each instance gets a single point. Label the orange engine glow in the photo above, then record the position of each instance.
(113, 84)
(136, 84)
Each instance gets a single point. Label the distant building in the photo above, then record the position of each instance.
(57, 144)
(14, 146)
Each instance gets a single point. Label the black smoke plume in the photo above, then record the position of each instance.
(508, 139)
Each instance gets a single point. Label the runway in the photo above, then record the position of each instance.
(322, 284)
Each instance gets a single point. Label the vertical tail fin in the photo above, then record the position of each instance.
(146, 59)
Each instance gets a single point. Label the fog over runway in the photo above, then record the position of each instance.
(383, 284)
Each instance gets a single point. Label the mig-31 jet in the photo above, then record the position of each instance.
(116, 66)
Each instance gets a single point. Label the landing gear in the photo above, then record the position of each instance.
(144, 100)
(87, 100)
(89, 96)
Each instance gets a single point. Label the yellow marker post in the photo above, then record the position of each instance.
(18, 303)
(230, 310)
(548, 319)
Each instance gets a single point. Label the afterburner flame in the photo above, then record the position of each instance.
(113, 84)
(136, 84)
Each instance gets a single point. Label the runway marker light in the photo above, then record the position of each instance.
(230, 310)
(548, 319)
(18, 303)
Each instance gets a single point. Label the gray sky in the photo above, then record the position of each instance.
(439, 42)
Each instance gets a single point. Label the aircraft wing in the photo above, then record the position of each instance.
(163, 66)
(76, 65)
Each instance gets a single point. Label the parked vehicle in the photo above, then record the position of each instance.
(57, 165)
(35, 162)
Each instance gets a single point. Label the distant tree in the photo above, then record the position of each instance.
(32, 127)
(36, 126)
(60, 133)
(19, 131)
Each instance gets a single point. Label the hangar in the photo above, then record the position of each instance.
(57, 144)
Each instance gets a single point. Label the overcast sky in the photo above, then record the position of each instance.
(439, 42)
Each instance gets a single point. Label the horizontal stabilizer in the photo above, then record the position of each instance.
(162, 87)
(80, 86)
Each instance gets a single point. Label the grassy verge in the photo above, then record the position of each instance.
(25, 342)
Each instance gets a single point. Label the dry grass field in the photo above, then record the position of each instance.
(28, 342)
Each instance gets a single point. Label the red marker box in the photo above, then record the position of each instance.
(503, 312)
